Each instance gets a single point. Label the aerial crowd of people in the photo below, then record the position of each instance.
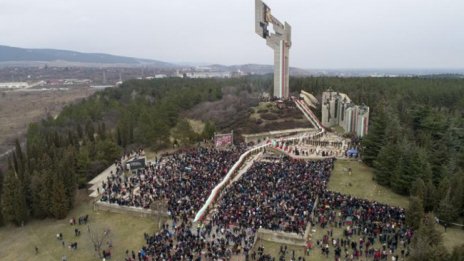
(275, 195)
(278, 194)
(183, 179)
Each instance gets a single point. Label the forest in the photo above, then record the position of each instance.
(416, 136)
(415, 142)
(63, 154)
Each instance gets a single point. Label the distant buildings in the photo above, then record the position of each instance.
(14, 85)
(338, 110)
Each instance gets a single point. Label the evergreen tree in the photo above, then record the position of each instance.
(443, 189)
(14, 208)
(418, 189)
(430, 198)
(67, 167)
(446, 211)
(385, 163)
(457, 192)
(102, 132)
(375, 139)
(415, 212)
(21, 165)
(184, 132)
(59, 201)
(398, 183)
(208, 130)
(40, 195)
(80, 132)
(118, 136)
(90, 131)
(427, 243)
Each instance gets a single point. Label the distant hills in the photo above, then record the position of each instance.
(14, 56)
(53, 57)
(23, 56)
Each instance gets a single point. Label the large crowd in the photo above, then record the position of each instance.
(364, 224)
(183, 180)
(277, 194)
(184, 242)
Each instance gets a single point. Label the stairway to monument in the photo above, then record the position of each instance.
(309, 114)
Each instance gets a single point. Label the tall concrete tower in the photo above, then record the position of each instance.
(279, 41)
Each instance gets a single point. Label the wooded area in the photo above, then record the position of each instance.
(416, 135)
(63, 154)
(415, 141)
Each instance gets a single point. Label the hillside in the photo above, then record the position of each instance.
(18, 55)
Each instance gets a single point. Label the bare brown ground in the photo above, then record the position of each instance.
(20, 108)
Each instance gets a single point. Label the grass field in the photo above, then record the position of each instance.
(361, 184)
(126, 230)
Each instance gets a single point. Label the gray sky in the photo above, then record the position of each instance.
(326, 33)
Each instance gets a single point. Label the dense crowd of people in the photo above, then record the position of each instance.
(364, 224)
(275, 195)
(183, 180)
(184, 242)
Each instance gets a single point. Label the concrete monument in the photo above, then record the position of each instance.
(279, 41)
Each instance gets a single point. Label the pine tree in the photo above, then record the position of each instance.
(443, 188)
(427, 243)
(13, 205)
(102, 132)
(80, 132)
(118, 136)
(430, 196)
(398, 183)
(418, 189)
(40, 195)
(446, 211)
(415, 212)
(68, 168)
(457, 192)
(375, 139)
(208, 130)
(59, 201)
(20, 157)
(90, 131)
(385, 163)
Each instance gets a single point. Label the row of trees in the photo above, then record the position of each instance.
(63, 154)
(416, 135)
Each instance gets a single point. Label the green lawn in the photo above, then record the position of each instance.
(126, 230)
(361, 184)
(453, 236)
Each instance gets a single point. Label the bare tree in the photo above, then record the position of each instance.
(98, 236)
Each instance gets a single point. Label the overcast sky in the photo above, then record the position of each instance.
(328, 34)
